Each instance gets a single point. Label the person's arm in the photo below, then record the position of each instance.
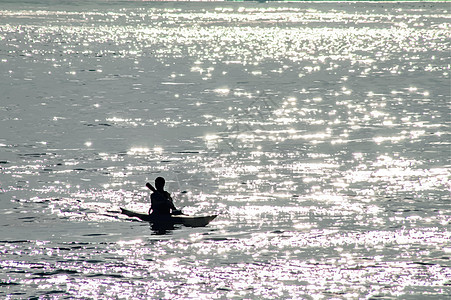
(175, 211)
(156, 201)
(171, 201)
(151, 204)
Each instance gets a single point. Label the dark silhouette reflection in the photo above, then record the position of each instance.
(163, 228)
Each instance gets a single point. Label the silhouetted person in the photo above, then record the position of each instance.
(161, 201)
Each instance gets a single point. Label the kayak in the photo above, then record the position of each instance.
(189, 221)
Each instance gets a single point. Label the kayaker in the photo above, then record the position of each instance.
(161, 201)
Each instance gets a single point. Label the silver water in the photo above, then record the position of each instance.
(318, 131)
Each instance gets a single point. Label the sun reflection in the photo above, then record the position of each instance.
(330, 175)
(130, 243)
(138, 151)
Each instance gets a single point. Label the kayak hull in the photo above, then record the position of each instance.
(189, 221)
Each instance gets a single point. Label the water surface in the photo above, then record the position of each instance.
(318, 131)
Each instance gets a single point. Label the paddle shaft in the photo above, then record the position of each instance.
(151, 187)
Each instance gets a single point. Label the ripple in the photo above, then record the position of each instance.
(318, 132)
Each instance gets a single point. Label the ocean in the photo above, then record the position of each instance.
(319, 132)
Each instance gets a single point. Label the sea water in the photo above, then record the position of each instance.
(319, 132)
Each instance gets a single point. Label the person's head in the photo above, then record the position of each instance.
(159, 183)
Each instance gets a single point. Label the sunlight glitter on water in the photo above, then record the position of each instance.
(317, 131)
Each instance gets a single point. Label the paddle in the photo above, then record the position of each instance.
(150, 187)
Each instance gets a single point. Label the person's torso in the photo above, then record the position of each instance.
(161, 203)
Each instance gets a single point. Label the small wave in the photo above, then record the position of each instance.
(8, 283)
(36, 154)
(106, 275)
(14, 242)
(95, 234)
(56, 272)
